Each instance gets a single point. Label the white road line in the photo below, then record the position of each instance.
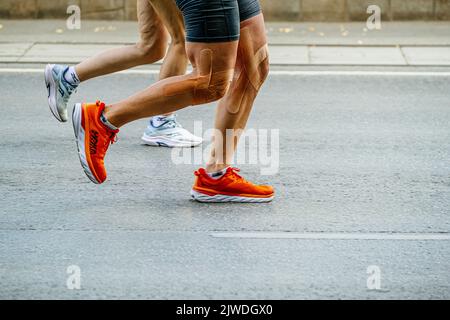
(362, 73)
(37, 70)
(279, 72)
(332, 236)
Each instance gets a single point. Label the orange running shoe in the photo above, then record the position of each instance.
(93, 139)
(231, 187)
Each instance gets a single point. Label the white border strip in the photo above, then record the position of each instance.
(278, 72)
(332, 236)
(361, 73)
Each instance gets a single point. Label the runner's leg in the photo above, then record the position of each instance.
(165, 130)
(220, 182)
(252, 67)
(212, 43)
(151, 47)
(61, 80)
(213, 65)
(212, 52)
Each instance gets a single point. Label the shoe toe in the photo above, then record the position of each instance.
(266, 190)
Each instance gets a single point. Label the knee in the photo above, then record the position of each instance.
(178, 49)
(259, 70)
(264, 69)
(200, 88)
(218, 91)
(152, 50)
(216, 88)
(214, 75)
(178, 39)
(210, 79)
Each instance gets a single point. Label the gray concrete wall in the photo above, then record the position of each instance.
(291, 10)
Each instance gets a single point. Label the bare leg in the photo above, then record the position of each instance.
(252, 67)
(151, 48)
(175, 62)
(213, 65)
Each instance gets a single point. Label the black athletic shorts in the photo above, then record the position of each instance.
(216, 20)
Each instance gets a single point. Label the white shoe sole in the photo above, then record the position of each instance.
(162, 141)
(51, 85)
(200, 197)
(80, 136)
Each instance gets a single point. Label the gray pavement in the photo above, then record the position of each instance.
(397, 43)
(360, 155)
(282, 33)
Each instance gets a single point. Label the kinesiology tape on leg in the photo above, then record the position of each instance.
(251, 71)
(205, 85)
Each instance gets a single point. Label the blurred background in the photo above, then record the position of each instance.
(275, 10)
(300, 32)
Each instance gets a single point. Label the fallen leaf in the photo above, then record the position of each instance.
(285, 30)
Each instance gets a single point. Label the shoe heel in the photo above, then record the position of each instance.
(76, 119)
(80, 136)
(51, 87)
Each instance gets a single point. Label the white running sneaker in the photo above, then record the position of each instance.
(59, 90)
(165, 131)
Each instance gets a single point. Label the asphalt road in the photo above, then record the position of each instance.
(360, 155)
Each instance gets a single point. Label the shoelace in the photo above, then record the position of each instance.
(69, 88)
(170, 123)
(234, 175)
(173, 123)
(113, 138)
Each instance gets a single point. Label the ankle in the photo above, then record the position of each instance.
(70, 76)
(212, 168)
(107, 118)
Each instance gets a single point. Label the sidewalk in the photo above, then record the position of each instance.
(396, 44)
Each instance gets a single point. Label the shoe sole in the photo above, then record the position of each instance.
(161, 141)
(80, 139)
(201, 197)
(51, 85)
